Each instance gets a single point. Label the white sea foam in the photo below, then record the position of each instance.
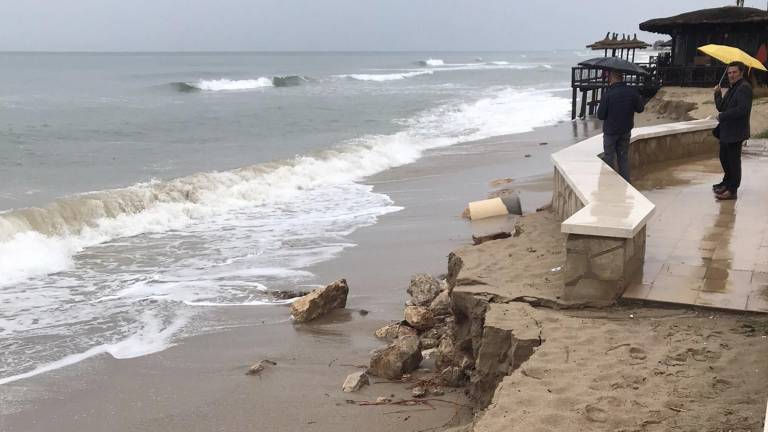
(153, 337)
(431, 62)
(385, 77)
(227, 84)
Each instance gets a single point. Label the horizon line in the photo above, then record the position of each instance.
(270, 51)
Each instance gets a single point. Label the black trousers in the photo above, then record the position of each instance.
(730, 159)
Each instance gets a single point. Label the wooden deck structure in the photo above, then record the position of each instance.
(592, 82)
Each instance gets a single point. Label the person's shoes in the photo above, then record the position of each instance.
(719, 189)
(726, 195)
(718, 186)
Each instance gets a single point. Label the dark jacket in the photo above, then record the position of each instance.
(735, 109)
(618, 107)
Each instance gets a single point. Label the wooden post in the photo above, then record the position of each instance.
(583, 110)
(573, 103)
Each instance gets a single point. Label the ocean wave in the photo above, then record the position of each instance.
(385, 77)
(430, 62)
(37, 241)
(289, 80)
(225, 84)
(491, 65)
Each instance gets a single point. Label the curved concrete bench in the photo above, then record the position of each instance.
(604, 216)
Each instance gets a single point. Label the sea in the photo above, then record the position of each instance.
(140, 190)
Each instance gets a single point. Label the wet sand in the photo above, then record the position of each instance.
(199, 384)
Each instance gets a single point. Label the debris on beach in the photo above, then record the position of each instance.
(260, 366)
(288, 294)
(396, 359)
(355, 381)
(418, 392)
(476, 240)
(320, 301)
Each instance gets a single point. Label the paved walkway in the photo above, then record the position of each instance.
(704, 252)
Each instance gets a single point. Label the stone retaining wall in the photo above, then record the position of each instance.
(565, 202)
(598, 268)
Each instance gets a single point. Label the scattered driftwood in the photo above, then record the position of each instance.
(406, 402)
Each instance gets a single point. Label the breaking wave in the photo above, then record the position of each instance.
(385, 77)
(225, 84)
(430, 62)
(38, 241)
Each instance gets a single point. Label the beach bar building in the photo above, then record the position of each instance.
(742, 27)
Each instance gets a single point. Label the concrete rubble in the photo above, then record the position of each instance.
(320, 301)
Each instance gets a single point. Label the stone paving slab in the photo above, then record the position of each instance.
(701, 251)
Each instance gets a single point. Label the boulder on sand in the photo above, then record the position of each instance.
(423, 289)
(354, 382)
(419, 317)
(401, 357)
(320, 301)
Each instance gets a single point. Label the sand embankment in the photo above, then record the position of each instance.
(632, 367)
(688, 103)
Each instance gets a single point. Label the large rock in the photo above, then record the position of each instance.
(401, 357)
(393, 331)
(423, 289)
(354, 382)
(441, 305)
(445, 353)
(320, 301)
(419, 317)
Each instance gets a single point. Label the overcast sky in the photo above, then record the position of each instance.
(325, 25)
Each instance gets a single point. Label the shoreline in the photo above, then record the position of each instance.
(412, 240)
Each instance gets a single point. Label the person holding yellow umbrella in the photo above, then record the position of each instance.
(734, 105)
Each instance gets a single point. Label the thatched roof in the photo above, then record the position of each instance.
(708, 17)
(611, 42)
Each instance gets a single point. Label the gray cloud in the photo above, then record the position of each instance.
(324, 25)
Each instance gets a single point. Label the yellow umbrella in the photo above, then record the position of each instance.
(727, 54)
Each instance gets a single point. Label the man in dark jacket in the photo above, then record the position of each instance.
(735, 108)
(617, 111)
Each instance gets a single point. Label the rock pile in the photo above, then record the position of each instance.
(428, 331)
